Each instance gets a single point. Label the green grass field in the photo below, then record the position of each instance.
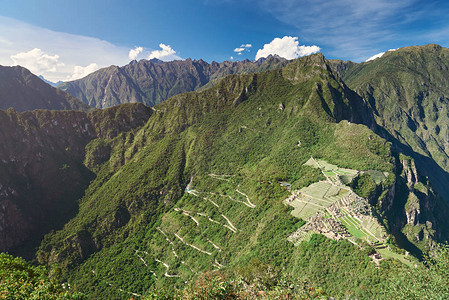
(386, 253)
(352, 227)
(333, 172)
(377, 176)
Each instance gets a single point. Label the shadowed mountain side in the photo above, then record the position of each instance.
(408, 91)
(23, 91)
(42, 172)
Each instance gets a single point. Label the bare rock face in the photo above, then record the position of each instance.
(410, 173)
(421, 215)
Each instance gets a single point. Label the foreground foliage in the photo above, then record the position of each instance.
(20, 280)
(258, 280)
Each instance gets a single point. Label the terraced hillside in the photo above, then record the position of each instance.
(331, 208)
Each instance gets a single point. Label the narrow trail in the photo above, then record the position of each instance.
(169, 241)
(215, 246)
(123, 291)
(196, 193)
(167, 267)
(145, 263)
(247, 198)
(141, 258)
(319, 167)
(229, 222)
(216, 222)
(249, 204)
(220, 177)
(190, 245)
(218, 264)
(187, 213)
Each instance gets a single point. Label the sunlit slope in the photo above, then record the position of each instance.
(197, 188)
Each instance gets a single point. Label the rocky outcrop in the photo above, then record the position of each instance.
(409, 173)
(413, 209)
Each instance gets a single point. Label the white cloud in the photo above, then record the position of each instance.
(232, 57)
(378, 55)
(57, 53)
(287, 47)
(80, 72)
(5, 42)
(166, 53)
(37, 61)
(354, 29)
(133, 53)
(242, 48)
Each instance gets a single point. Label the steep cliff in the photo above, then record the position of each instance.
(42, 173)
(408, 91)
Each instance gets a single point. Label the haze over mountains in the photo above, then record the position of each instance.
(239, 170)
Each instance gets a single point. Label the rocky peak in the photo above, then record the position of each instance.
(153, 81)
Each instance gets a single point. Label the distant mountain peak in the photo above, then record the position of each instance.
(53, 84)
(156, 61)
(153, 81)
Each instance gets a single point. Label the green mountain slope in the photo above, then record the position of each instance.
(23, 91)
(152, 81)
(198, 188)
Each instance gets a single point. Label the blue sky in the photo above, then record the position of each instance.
(65, 40)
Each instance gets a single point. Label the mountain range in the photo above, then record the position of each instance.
(152, 81)
(275, 176)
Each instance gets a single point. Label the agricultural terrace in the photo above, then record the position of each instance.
(316, 197)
